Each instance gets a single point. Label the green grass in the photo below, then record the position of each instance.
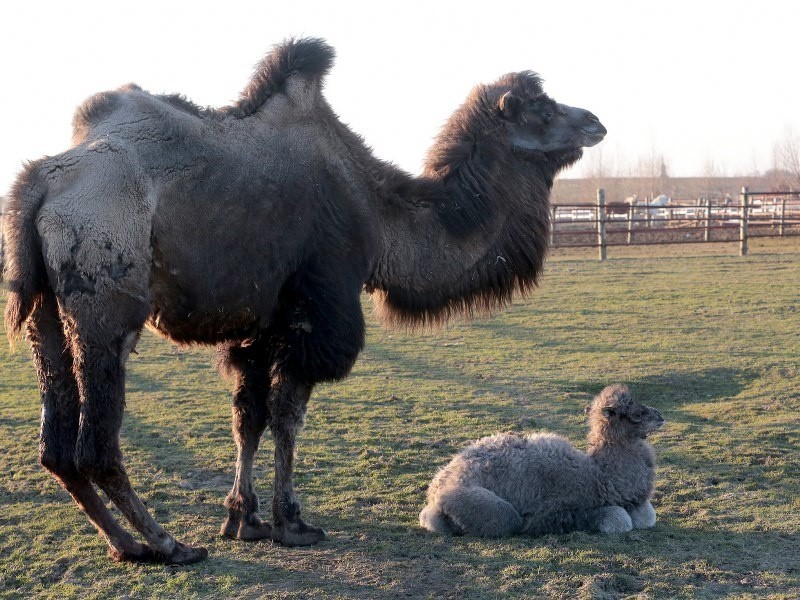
(712, 340)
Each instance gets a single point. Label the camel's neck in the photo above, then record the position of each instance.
(614, 456)
(627, 470)
(466, 235)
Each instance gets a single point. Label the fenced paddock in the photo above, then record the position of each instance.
(602, 225)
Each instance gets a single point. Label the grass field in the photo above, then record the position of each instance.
(710, 339)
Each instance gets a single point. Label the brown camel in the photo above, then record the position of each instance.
(255, 227)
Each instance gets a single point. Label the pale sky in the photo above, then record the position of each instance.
(697, 81)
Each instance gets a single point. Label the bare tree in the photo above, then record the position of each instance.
(713, 183)
(653, 172)
(786, 159)
(596, 165)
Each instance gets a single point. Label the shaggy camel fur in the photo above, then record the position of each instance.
(505, 484)
(255, 227)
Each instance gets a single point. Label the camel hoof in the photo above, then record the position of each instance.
(297, 533)
(181, 555)
(249, 529)
(142, 553)
(185, 555)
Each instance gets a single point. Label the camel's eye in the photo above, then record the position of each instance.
(547, 115)
(635, 417)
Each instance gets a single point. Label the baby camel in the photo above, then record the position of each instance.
(505, 484)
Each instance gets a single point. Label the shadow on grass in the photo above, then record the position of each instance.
(295, 572)
(15, 422)
(673, 390)
(159, 445)
(391, 560)
(718, 561)
(422, 365)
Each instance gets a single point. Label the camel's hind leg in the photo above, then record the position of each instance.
(101, 335)
(478, 511)
(60, 417)
(603, 519)
(250, 365)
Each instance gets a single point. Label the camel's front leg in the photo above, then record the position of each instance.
(289, 399)
(250, 415)
(642, 515)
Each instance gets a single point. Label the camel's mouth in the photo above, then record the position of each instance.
(655, 423)
(593, 134)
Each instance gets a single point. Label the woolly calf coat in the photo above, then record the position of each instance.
(540, 483)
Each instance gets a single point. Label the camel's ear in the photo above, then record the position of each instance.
(608, 412)
(509, 105)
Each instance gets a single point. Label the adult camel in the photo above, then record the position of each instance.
(255, 227)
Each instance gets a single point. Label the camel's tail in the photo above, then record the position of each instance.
(24, 268)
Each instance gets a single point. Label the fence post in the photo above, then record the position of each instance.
(783, 212)
(553, 210)
(707, 233)
(601, 222)
(743, 224)
(631, 212)
(697, 212)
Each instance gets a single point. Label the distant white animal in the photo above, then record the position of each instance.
(662, 200)
(505, 484)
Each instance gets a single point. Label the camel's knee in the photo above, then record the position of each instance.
(57, 460)
(612, 519)
(643, 515)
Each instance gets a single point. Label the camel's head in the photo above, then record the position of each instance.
(615, 416)
(539, 124)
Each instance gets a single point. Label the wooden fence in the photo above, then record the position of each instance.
(601, 224)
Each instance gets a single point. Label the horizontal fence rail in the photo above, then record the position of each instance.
(601, 224)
